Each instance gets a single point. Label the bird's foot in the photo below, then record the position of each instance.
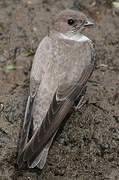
(82, 101)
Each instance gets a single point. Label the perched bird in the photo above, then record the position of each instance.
(62, 65)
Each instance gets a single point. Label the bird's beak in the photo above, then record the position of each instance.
(88, 23)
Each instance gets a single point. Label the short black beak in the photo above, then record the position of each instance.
(88, 23)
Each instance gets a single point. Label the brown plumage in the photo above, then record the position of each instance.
(63, 63)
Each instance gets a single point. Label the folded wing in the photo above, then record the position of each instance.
(63, 100)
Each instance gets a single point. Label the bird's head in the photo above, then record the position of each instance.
(70, 21)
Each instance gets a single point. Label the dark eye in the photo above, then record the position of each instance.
(70, 21)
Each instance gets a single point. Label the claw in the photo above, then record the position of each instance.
(80, 104)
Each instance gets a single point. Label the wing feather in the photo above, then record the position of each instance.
(35, 79)
(55, 115)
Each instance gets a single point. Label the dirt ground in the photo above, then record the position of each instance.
(87, 148)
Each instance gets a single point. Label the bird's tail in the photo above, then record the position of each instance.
(41, 159)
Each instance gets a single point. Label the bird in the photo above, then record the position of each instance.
(62, 65)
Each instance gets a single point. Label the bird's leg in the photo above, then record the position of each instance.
(82, 101)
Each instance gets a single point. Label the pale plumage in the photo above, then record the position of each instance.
(61, 68)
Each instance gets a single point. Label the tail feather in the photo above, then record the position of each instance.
(44, 155)
(41, 159)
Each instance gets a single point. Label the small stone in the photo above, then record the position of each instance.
(1, 107)
(104, 146)
(116, 118)
(2, 59)
(10, 116)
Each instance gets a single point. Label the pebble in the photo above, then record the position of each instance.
(2, 59)
(105, 146)
(10, 116)
(116, 118)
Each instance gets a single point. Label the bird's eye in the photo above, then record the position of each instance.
(70, 21)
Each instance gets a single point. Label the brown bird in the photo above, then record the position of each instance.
(63, 63)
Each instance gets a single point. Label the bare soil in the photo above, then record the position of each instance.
(87, 148)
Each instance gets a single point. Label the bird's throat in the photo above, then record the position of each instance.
(74, 37)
